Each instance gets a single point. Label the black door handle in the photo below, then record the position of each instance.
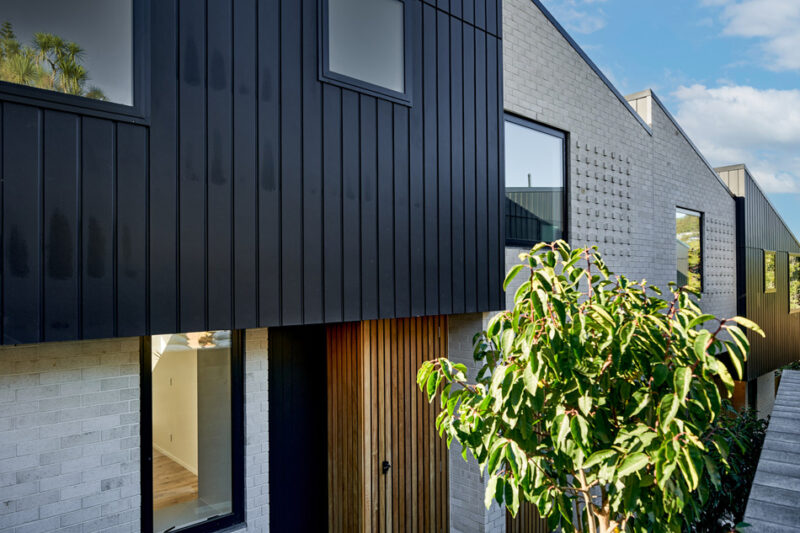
(386, 466)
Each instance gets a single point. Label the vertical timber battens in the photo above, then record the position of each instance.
(372, 402)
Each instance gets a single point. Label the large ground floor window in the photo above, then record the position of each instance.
(192, 432)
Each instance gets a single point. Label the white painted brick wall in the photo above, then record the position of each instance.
(256, 431)
(69, 436)
(467, 487)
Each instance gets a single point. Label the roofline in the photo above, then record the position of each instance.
(622, 98)
(675, 123)
(592, 65)
(743, 166)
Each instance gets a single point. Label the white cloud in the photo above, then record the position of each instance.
(774, 23)
(579, 16)
(738, 124)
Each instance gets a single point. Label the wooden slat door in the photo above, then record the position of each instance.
(376, 413)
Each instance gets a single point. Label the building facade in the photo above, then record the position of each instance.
(232, 181)
(231, 241)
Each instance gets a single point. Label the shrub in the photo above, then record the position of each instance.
(597, 400)
(725, 505)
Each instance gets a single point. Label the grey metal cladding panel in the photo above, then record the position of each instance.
(771, 311)
(765, 230)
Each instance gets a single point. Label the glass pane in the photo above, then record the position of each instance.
(366, 41)
(689, 249)
(794, 283)
(191, 380)
(769, 271)
(534, 185)
(59, 45)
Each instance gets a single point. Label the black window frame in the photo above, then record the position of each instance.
(348, 82)
(137, 113)
(564, 136)
(789, 283)
(237, 516)
(702, 216)
(775, 256)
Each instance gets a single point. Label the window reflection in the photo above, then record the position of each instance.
(794, 283)
(769, 272)
(58, 45)
(689, 249)
(191, 382)
(534, 160)
(366, 41)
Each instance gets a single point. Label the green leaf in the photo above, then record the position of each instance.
(667, 410)
(682, 381)
(599, 457)
(507, 341)
(563, 430)
(633, 463)
(700, 320)
(749, 324)
(531, 381)
(431, 385)
(712, 471)
(660, 373)
(511, 275)
(585, 404)
(701, 343)
(491, 490)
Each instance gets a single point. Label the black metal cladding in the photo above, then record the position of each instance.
(255, 195)
(760, 228)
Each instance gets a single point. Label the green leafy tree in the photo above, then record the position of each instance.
(597, 399)
(51, 62)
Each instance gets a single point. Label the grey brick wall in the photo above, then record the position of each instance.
(625, 182)
(69, 436)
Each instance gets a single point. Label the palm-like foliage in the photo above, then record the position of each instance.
(51, 62)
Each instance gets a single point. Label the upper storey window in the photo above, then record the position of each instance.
(770, 278)
(364, 46)
(75, 47)
(689, 248)
(535, 176)
(794, 283)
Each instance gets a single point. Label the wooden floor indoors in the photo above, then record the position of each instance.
(172, 483)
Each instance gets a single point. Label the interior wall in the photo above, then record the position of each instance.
(175, 406)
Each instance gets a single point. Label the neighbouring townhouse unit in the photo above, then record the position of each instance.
(233, 230)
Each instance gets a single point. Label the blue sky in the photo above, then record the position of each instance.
(729, 70)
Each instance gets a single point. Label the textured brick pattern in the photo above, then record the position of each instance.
(467, 511)
(256, 431)
(69, 437)
(625, 182)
